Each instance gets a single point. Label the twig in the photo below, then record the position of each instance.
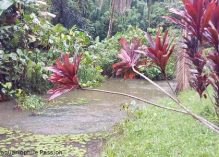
(166, 79)
(171, 88)
(152, 82)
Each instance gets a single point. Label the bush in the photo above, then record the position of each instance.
(154, 73)
(32, 44)
(89, 71)
(105, 52)
(31, 102)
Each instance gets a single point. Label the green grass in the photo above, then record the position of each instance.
(153, 132)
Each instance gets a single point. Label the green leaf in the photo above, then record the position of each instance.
(13, 56)
(32, 38)
(7, 85)
(19, 52)
(30, 68)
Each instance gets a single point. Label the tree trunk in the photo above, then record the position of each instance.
(149, 3)
(112, 5)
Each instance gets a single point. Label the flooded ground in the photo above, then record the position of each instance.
(80, 111)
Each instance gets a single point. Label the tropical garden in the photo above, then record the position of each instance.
(109, 78)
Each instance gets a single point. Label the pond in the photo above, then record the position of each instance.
(80, 111)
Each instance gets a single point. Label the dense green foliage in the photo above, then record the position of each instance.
(31, 103)
(32, 42)
(30, 46)
(93, 15)
(152, 132)
(105, 52)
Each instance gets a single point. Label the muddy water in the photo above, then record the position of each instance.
(80, 111)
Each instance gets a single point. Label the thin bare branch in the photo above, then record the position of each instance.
(137, 98)
(156, 85)
(197, 117)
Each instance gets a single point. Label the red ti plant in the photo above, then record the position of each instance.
(200, 19)
(212, 37)
(214, 76)
(195, 16)
(215, 16)
(129, 58)
(211, 32)
(64, 75)
(159, 50)
(199, 80)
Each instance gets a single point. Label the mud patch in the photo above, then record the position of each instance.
(94, 147)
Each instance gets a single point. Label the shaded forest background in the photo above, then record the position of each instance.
(95, 16)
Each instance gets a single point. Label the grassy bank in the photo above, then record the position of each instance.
(153, 132)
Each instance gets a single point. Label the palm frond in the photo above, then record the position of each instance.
(182, 70)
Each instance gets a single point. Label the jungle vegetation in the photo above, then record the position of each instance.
(56, 46)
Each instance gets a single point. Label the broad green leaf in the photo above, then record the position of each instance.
(19, 52)
(7, 85)
(13, 56)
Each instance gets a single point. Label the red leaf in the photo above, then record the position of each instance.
(195, 17)
(207, 15)
(199, 83)
(123, 42)
(214, 62)
(158, 50)
(130, 57)
(165, 37)
(64, 75)
(149, 39)
(212, 36)
(215, 17)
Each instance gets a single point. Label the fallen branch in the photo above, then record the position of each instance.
(136, 98)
